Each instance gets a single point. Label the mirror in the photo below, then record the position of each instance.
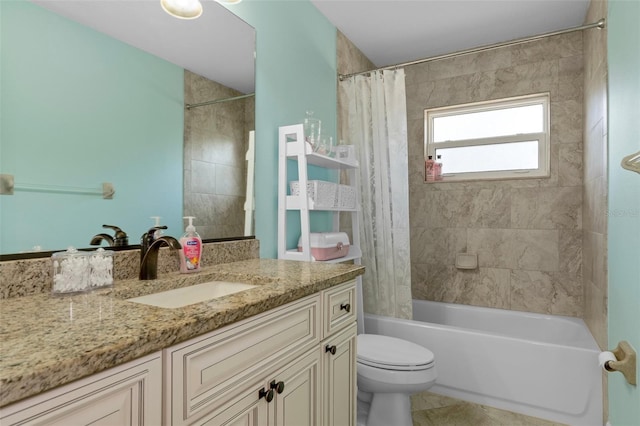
(94, 92)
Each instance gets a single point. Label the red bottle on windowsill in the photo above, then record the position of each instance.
(429, 169)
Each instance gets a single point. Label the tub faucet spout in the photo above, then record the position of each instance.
(149, 247)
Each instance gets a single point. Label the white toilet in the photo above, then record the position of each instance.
(389, 371)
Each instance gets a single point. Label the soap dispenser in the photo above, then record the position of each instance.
(429, 169)
(438, 168)
(191, 248)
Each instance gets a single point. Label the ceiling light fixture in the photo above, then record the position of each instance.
(182, 9)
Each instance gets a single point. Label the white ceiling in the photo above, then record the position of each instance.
(218, 45)
(394, 31)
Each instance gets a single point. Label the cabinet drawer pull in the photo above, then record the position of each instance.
(346, 307)
(331, 348)
(266, 394)
(279, 387)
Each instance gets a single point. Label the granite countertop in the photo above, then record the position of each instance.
(47, 341)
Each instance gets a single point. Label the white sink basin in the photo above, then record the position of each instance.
(193, 294)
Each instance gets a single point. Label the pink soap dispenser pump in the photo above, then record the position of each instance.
(191, 249)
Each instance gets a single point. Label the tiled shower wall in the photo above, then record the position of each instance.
(594, 249)
(215, 169)
(528, 232)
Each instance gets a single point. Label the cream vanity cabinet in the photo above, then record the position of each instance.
(293, 365)
(129, 394)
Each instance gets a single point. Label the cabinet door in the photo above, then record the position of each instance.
(201, 374)
(339, 378)
(126, 395)
(247, 408)
(298, 404)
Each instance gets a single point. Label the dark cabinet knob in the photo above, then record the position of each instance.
(266, 394)
(330, 348)
(346, 307)
(279, 386)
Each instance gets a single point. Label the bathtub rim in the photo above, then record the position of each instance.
(588, 343)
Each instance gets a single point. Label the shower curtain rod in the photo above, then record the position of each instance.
(217, 101)
(600, 25)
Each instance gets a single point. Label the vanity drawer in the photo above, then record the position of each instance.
(204, 371)
(339, 307)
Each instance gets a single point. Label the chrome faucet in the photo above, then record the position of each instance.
(119, 239)
(149, 246)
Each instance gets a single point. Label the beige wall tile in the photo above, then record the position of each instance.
(595, 152)
(488, 287)
(555, 47)
(568, 294)
(595, 204)
(595, 178)
(547, 208)
(570, 164)
(570, 75)
(531, 291)
(531, 225)
(535, 77)
(438, 244)
(419, 278)
(570, 250)
(532, 250)
(594, 312)
(469, 64)
(557, 293)
(486, 208)
(566, 121)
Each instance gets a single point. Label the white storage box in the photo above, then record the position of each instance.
(327, 245)
(323, 194)
(346, 197)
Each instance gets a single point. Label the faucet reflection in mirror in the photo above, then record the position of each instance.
(120, 239)
(149, 246)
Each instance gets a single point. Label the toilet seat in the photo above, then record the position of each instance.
(390, 353)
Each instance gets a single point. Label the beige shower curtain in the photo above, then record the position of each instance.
(376, 118)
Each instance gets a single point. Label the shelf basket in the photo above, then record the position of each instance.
(323, 194)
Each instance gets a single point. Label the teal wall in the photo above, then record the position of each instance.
(624, 200)
(296, 71)
(77, 109)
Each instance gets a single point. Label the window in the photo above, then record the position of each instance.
(501, 139)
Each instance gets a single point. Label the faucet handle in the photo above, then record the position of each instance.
(120, 237)
(148, 237)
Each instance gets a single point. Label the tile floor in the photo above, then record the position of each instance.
(429, 409)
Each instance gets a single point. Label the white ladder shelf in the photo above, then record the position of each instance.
(293, 146)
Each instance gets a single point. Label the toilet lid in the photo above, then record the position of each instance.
(391, 353)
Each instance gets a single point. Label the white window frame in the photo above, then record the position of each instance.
(543, 138)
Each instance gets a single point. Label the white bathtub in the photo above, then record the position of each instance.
(540, 365)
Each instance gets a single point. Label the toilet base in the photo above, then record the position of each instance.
(384, 409)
